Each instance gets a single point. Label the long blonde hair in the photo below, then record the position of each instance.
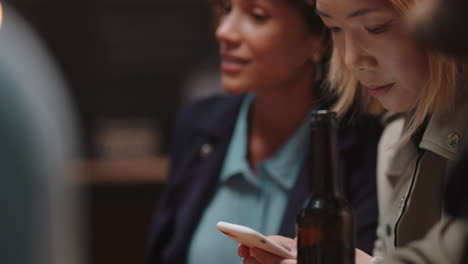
(444, 76)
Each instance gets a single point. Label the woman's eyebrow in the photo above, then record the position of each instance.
(361, 12)
(320, 13)
(356, 13)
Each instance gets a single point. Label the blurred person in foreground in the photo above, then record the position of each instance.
(441, 25)
(38, 206)
(430, 89)
(242, 158)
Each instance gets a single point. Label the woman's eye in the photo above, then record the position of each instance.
(259, 14)
(379, 29)
(226, 8)
(334, 29)
(259, 17)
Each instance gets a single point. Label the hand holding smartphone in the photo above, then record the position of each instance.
(252, 238)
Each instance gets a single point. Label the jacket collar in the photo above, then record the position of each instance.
(445, 133)
(219, 123)
(444, 136)
(212, 122)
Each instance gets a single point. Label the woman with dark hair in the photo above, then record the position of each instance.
(242, 158)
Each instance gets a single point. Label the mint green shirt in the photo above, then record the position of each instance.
(243, 198)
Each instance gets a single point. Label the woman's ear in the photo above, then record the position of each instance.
(316, 57)
(318, 48)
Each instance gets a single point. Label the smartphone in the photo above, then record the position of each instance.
(251, 238)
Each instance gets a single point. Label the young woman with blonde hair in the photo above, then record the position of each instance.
(424, 92)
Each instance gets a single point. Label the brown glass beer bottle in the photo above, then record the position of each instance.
(325, 225)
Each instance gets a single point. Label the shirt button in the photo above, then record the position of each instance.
(205, 150)
(388, 230)
(402, 202)
(453, 139)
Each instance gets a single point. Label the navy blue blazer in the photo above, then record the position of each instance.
(195, 170)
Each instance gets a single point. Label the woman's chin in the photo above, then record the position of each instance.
(236, 89)
(395, 107)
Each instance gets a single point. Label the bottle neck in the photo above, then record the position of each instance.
(324, 160)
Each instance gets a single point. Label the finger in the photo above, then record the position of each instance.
(294, 249)
(264, 257)
(287, 243)
(250, 260)
(362, 257)
(243, 251)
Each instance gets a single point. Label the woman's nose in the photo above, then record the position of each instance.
(357, 57)
(227, 32)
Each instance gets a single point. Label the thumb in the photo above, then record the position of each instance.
(294, 248)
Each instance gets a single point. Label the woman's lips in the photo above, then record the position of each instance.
(230, 64)
(376, 90)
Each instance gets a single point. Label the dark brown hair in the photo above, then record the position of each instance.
(307, 10)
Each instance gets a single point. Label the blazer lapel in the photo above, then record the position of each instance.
(200, 171)
(297, 196)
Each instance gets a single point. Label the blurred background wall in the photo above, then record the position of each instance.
(127, 64)
(123, 58)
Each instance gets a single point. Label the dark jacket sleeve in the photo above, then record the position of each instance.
(358, 168)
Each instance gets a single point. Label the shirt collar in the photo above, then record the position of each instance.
(286, 164)
(236, 162)
(283, 167)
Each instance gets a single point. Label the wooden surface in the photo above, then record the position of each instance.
(147, 170)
